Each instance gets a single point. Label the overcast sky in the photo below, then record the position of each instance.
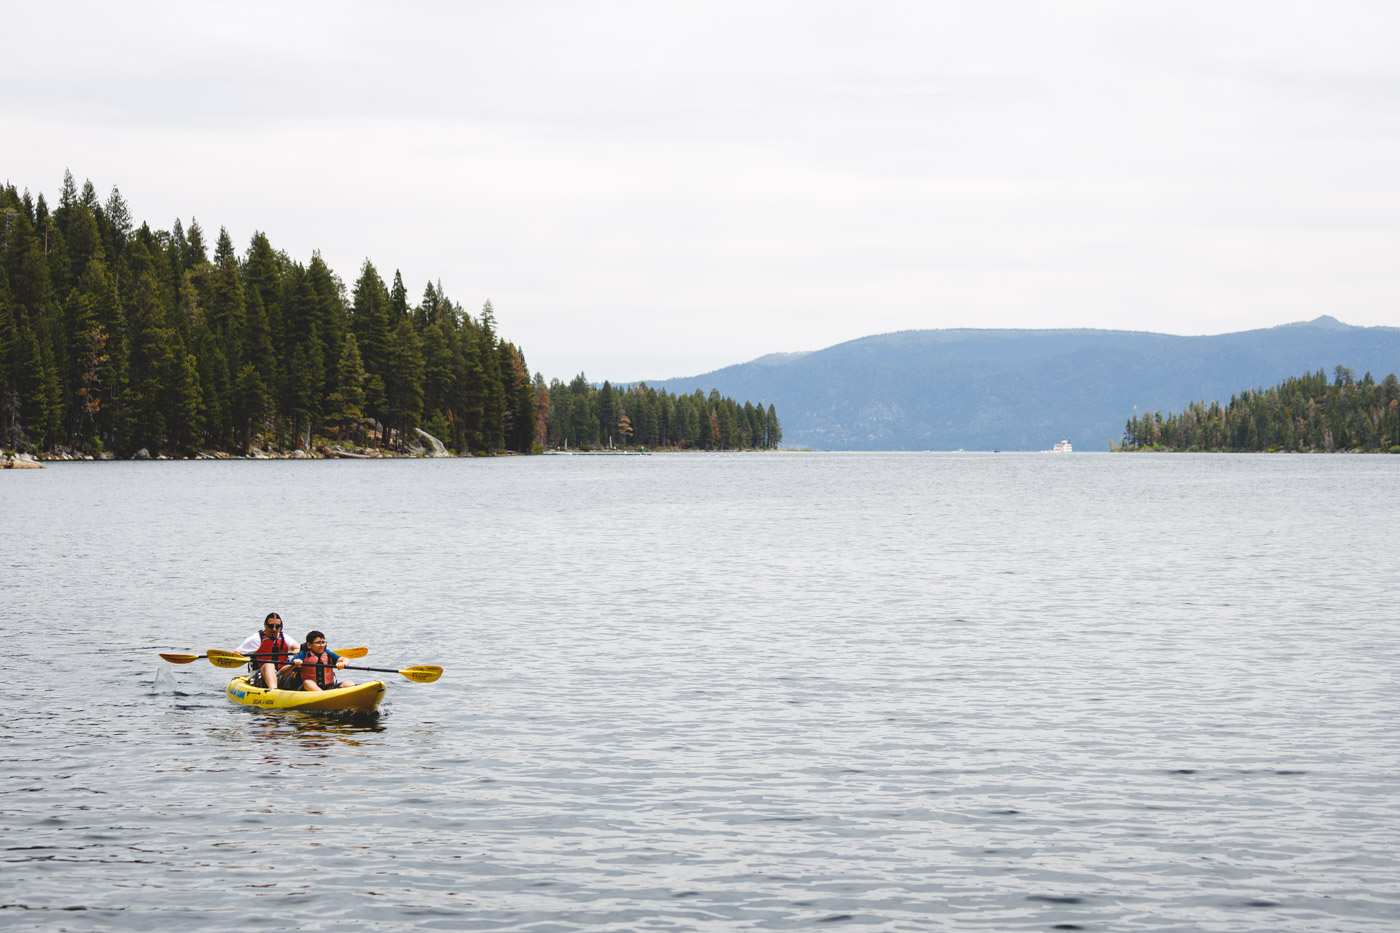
(654, 189)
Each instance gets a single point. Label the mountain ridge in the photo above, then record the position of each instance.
(1021, 388)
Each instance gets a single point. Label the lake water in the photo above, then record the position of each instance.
(764, 691)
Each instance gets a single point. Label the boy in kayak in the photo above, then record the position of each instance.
(318, 666)
(268, 649)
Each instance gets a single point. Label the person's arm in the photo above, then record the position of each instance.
(293, 657)
(250, 644)
(336, 660)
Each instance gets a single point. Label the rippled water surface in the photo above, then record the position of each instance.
(880, 691)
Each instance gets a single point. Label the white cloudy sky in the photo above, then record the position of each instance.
(650, 189)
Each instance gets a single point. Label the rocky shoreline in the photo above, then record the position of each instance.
(335, 452)
(432, 447)
(320, 450)
(9, 461)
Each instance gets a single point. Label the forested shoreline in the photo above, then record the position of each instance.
(116, 338)
(1306, 413)
(583, 415)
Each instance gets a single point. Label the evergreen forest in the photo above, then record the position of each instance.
(1307, 413)
(581, 415)
(116, 338)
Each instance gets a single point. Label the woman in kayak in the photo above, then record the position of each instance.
(318, 666)
(268, 648)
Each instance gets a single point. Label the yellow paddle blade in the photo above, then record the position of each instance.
(423, 673)
(352, 652)
(180, 658)
(225, 658)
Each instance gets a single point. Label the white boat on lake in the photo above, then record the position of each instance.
(1063, 447)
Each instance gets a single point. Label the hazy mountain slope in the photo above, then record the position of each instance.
(1025, 389)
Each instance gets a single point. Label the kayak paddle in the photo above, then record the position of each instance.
(191, 658)
(422, 673)
(220, 658)
(225, 658)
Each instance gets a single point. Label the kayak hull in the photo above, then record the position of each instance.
(361, 698)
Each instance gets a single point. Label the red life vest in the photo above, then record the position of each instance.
(322, 673)
(272, 650)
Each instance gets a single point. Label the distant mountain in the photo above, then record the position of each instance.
(1026, 389)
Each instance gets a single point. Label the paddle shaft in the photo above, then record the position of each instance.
(347, 653)
(304, 663)
(425, 673)
(379, 670)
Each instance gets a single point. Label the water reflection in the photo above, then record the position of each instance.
(310, 731)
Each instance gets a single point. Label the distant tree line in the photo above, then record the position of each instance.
(583, 415)
(115, 337)
(1307, 413)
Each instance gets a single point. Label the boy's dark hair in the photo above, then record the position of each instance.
(313, 635)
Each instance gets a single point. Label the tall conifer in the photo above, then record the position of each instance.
(346, 404)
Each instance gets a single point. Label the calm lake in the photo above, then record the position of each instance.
(756, 691)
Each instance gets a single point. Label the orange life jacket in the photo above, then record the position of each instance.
(318, 667)
(274, 650)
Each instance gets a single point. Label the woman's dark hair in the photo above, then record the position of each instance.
(313, 635)
(271, 616)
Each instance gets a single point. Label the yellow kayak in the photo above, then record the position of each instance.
(361, 698)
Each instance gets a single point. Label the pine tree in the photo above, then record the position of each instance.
(257, 338)
(521, 402)
(144, 422)
(68, 193)
(88, 369)
(118, 217)
(217, 384)
(398, 301)
(467, 397)
(437, 368)
(84, 241)
(188, 428)
(346, 404)
(38, 390)
(225, 302)
(305, 378)
(403, 384)
(327, 311)
(607, 413)
(178, 248)
(249, 404)
(369, 319)
(582, 425)
(195, 252)
(88, 197)
(427, 311)
(9, 371)
(493, 432)
(543, 411)
(262, 273)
